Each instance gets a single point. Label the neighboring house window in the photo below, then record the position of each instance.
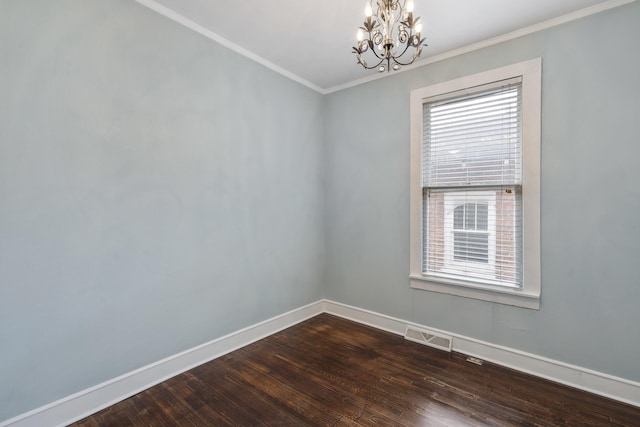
(471, 233)
(475, 213)
(470, 240)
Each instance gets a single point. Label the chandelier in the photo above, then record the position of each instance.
(392, 35)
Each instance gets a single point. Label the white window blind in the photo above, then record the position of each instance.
(471, 179)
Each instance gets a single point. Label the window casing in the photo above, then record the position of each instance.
(475, 186)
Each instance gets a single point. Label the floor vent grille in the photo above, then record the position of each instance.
(430, 338)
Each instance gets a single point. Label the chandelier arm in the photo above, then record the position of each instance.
(380, 57)
(413, 58)
(373, 66)
(406, 47)
(373, 50)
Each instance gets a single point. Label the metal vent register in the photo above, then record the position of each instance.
(430, 338)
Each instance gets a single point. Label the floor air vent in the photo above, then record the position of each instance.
(430, 338)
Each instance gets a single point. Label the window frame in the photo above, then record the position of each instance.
(528, 296)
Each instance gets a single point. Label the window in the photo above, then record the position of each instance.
(475, 197)
(470, 233)
(468, 240)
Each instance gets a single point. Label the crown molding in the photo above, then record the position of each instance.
(563, 19)
(572, 16)
(174, 16)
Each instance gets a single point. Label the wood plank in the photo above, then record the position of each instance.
(330, 371)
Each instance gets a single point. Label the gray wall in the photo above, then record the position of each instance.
(590, 198)
(156, 191)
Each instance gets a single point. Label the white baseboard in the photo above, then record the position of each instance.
(86, 402)
(598, 383)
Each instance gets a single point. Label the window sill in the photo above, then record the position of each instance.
(514, 297)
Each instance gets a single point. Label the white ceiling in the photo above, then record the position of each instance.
(312, 40)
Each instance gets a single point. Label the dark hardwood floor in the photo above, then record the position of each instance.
(329, 371)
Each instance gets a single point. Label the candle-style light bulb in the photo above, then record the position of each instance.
(367, 10)
(360, 35)
(418, 28)
(410, 6)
